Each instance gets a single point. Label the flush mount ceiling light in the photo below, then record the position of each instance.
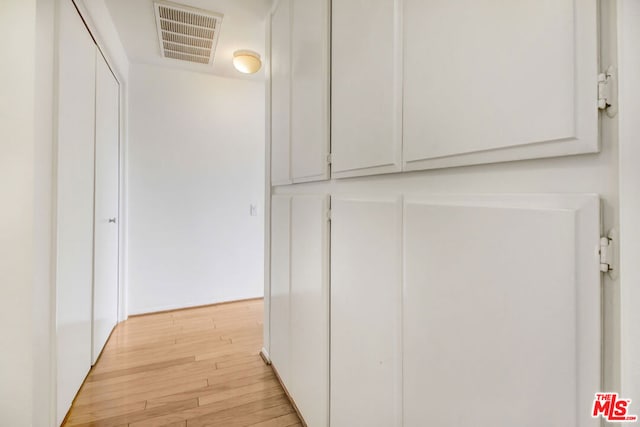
(246, 61)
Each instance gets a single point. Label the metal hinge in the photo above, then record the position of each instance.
(329, 158)
(606, 254)
(328, 214)
(608, 91)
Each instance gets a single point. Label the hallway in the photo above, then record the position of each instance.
(193, 367)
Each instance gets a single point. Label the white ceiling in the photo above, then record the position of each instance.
(243, 27)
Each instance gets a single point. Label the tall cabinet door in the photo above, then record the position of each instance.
(310, 90)
(488, 81)
(366, 87)
(105, 274)
(280, 309)
(75, 168)
(366, 289)
(281, 93)
(310, 308)
(501, 311)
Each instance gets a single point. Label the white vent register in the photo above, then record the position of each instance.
(187, 33)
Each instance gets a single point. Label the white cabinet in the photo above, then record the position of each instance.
(501, 310)
(509, 82)
(280, 318)
(310, 308)
(488, 81)
(445, 310)
(281, 93)
(105, 274)
(366, 87)
(75, 169)
(438, 303)
(366, 289)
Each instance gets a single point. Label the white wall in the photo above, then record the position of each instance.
(43, 397)
(629, 65)
(196, 163)
(17, 119)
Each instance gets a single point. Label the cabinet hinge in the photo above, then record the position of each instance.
(606, 254)
(329, 158)
(608, 91)
(328, 214)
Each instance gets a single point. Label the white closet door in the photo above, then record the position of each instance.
(74, 272)
(281, 94)
(501, 311)
(366, 87)
(105, 274)
(310, 308)
(488, 81)
(280, 321)
(310, 90)
(366, 290)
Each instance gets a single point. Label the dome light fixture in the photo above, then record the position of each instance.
(246, 61)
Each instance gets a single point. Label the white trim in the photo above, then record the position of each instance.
(266, 341)
(265, 356)
(628, 20)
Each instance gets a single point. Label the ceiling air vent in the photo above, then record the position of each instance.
(187, 33)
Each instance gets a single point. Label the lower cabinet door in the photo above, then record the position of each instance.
(501, 320)
(309, 309)
(280, 331)
(366, 291)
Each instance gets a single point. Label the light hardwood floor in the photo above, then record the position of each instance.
(196, 367)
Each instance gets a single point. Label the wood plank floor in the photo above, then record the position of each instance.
(188, 368)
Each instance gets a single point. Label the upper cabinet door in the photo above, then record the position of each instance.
(488, 81)
(366, 85)
(281, 93)
(310, 90)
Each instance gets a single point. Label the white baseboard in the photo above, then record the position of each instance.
(265, 356)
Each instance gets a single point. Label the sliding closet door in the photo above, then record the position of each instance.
(75, 165)
(501, 310)
(105, 282)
